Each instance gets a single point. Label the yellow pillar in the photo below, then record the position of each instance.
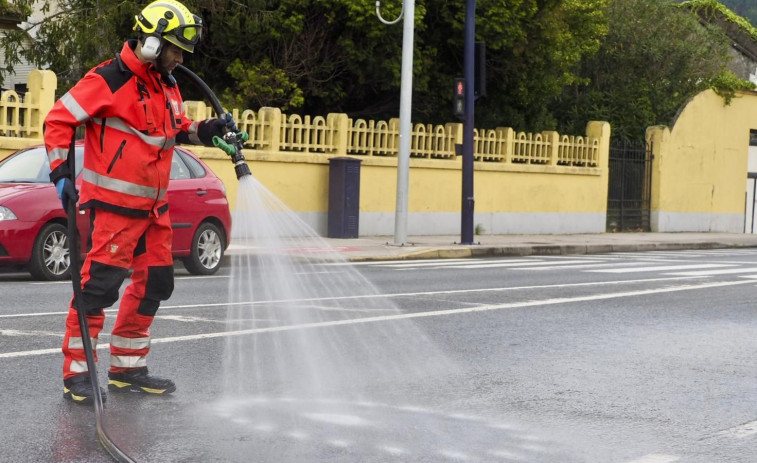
(339, 124)
(271, 119)
(659, 137)
(601, 131)
(508, 135)
(552, 139)
(42, 86)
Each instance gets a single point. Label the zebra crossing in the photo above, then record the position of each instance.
(736, 262)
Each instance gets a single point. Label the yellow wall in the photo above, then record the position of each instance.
(519, 187)
(700, 165)
(516, 199)
(698, 183)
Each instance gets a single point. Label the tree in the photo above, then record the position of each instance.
(551, 64)
(73, 36)
(655, 57)
(744, 8)
(310, 56)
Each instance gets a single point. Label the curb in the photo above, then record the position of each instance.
(545, 250)
(532, 250)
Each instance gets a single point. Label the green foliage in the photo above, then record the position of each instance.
(534, 49)
(654, 58)
(726, 84)
(551, 64)
(737, 9)
(13, 10)
(329, 55)
(263, 84)
(712, 9)
(75, 36)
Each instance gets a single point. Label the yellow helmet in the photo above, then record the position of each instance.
(172, 21)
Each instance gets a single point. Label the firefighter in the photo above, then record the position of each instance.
(133, 116)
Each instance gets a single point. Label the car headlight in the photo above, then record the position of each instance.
(7, 214)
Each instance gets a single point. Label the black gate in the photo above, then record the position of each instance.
(630, 187)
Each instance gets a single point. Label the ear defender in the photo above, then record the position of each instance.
(153, 44)
(151, 47)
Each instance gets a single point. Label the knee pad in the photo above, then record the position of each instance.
(101, 289)
(159, 287)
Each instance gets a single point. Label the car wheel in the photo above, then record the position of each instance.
(50, 255)
(207, 250)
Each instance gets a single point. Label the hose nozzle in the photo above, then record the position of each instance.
(232, 144)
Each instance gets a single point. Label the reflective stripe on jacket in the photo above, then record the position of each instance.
(132, 118)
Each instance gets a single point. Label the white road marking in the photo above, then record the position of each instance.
(403, 316)
(559, 266)
(398, 261)
(392, 450)
(660, 268)
(201, 277)
(717, 272)
(57, 334)
(364, 296)
(741, 431)
(656, 458)
(512, 264)
(188, 319)
(420, 264)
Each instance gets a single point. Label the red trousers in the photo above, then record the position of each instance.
(120, 243)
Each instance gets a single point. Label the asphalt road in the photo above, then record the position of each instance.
(610, 358)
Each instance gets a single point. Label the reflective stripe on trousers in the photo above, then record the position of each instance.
(118, 243)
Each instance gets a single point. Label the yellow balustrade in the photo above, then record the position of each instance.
(336, 134)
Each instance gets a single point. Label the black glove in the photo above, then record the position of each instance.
(223, 125)
(216, 127)
(66, 191)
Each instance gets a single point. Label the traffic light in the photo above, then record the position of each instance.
(458, 102)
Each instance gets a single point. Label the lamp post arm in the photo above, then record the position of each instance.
(381, 18)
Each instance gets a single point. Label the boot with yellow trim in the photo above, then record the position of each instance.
(138, 380)
(78, 389)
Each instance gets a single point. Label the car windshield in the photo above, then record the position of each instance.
(31, 166)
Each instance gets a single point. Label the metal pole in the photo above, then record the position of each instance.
(466, 222)
(406, 101)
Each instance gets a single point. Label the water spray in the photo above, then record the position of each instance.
(232, 142)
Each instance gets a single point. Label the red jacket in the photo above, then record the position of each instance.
(132, 117)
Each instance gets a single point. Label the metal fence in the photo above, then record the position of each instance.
(337, 134)
(630, 186)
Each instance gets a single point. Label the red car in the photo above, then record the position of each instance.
(33, 223)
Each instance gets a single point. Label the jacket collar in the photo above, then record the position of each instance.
(129, 58)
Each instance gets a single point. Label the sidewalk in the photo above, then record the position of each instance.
(447, 246)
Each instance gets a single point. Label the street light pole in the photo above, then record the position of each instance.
(406, 102)
(466, 220)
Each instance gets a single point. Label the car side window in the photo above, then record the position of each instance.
(79, 159)
(26, 166)
(195, 167)
(179, 170)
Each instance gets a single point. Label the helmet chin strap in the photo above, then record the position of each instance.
(164, 72)
(151, 44)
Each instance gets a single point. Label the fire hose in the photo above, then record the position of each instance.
(232, 142)
(74, 265)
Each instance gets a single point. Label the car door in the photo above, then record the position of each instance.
(187, 192)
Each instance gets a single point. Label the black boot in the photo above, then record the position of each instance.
(78, 389)
(137, 380)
